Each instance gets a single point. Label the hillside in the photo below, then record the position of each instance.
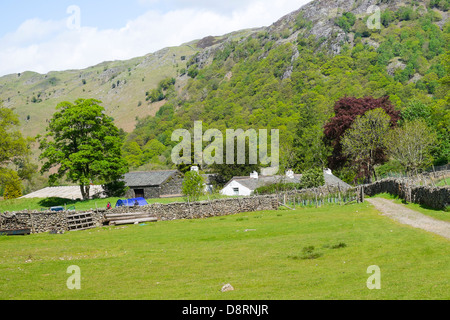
(289, 76)
(286, 76)
(120, 85)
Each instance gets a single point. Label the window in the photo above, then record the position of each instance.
(236, 191)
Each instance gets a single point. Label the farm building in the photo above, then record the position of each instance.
(154, 184)
(65, 192)
(245, 186)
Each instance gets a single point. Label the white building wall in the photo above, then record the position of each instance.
(229, 190)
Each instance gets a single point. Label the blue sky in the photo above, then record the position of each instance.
(40, 35)
(100, 13)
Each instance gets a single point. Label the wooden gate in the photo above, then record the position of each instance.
(80, 221)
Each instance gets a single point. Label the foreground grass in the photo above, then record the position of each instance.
(313, 253)
(437, 214)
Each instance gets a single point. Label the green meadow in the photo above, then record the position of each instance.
(313, 253)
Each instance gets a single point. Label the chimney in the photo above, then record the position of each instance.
(254, 175)
(290, 174)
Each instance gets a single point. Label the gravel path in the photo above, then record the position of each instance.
(410, 217)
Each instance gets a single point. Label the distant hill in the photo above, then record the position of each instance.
(120, 85)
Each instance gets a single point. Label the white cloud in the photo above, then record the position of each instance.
(43, 46)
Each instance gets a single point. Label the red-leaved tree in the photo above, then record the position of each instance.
(346, 110)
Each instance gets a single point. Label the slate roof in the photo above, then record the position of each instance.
(148, 178)
(252, 184)
(333, 181)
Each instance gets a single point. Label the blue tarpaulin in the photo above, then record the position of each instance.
(131, 202)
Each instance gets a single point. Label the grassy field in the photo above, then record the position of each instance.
(311, 253)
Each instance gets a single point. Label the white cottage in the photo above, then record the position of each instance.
(245, 186)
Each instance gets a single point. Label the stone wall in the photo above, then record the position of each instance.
(432, 197)
(171, 187)
(40, 222)
(204, 209)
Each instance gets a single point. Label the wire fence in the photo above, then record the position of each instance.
(314, 198)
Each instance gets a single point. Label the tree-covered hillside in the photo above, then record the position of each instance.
(289, 81)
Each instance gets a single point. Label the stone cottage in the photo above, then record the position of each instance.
(154, 184)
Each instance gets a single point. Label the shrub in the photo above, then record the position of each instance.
(193, 186)
(312, 178)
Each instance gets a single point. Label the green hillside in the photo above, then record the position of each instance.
(119, 84)
(290, 75)
(287, 76)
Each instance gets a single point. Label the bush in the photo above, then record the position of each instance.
(347, 21)
(193, 186)
(312, 178)
(13, 187)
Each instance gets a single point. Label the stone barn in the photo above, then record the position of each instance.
(154, 184)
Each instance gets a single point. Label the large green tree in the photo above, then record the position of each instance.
(83, 144)
(411, 145)
(366, 139)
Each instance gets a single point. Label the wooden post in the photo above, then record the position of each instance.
(315, 191)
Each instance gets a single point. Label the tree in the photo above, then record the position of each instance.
(312, 151)
(346, 111)
(13, 186)
(193, 186)
(83, 144)
(312, 178)
(366, 139)
(14, 152)
(411, 145)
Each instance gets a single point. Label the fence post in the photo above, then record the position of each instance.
(315, 191)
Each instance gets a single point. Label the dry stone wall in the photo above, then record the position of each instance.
(432, 197)
(39, 222)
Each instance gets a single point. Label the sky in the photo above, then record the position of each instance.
(56, 35)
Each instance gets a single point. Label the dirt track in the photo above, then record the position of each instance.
(410, 217)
